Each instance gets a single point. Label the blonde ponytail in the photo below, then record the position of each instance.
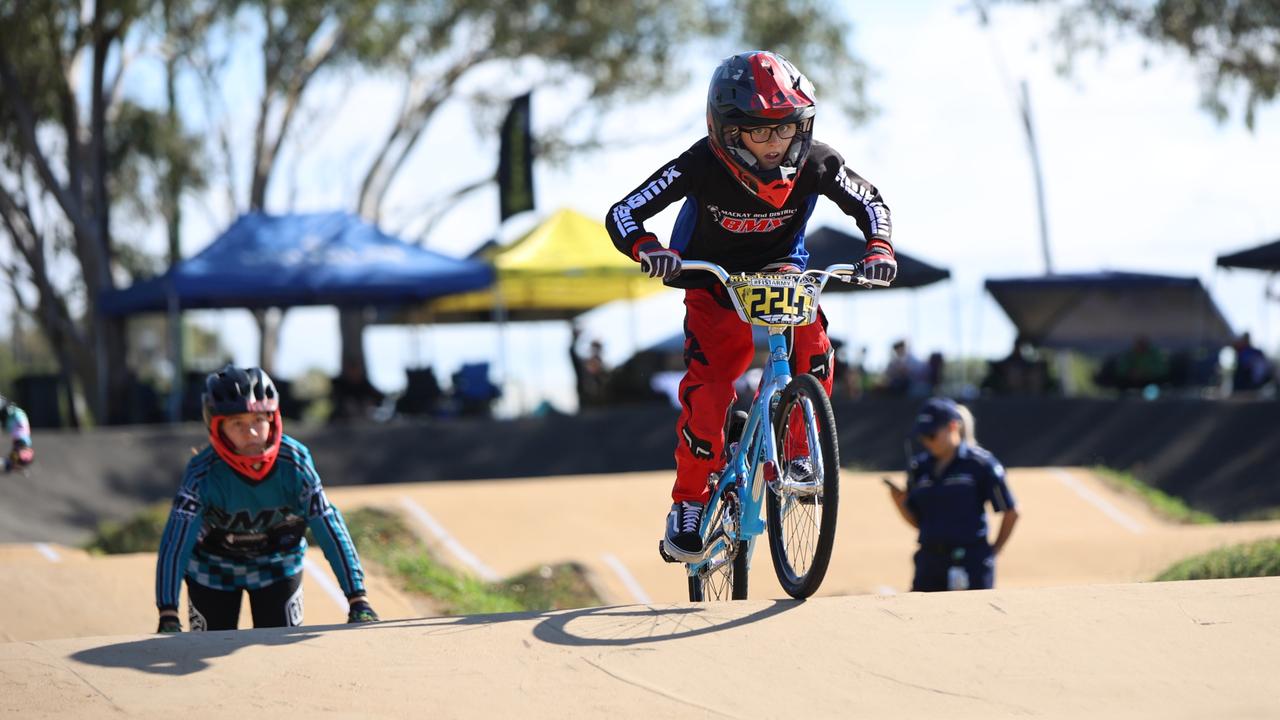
(968, 426)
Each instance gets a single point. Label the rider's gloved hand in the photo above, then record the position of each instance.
(169, 624)
(361, 612)
(878, 264)
(656, 260)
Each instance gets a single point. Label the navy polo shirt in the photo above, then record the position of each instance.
(949, 503)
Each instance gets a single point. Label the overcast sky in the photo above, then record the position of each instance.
(1137, 178)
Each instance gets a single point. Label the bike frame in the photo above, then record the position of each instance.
(754, 463)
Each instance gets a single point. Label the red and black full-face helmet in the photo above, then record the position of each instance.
(753, 89)
(232, 391)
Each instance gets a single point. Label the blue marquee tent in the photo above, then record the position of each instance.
(1105, 311)
(332, 258)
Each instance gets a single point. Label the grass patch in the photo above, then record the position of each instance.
(1260, 558)
(1268, 514)
(1167, 506)
(384, 538)
(140, 533)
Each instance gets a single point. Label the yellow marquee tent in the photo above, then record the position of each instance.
(564, 266)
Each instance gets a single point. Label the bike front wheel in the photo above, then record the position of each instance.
(801, 512)
(723, 575)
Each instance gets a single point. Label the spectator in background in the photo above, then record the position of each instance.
(14, 423)
(853, 380)
(934, 373)
(354, 397)
(948, 488)
(1141, 365)
(902, 372)
(1022, 372)
(1252, 369)
(591, 372)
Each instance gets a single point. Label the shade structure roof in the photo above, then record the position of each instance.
(1106, 311)
(1261, 257)
(332, 258)
(828, 246)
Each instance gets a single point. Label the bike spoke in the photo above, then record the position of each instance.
(715, 576)
(801, 521)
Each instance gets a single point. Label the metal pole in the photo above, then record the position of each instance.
(1028, 126)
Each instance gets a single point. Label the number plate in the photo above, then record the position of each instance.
(776, 299)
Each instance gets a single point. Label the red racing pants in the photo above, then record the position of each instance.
(718, 349)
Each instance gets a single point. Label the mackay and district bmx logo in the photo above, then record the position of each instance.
(747, 222)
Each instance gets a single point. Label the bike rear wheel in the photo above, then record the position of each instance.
(723, 575)
(802, 518)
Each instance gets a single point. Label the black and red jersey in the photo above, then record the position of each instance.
(722, 223)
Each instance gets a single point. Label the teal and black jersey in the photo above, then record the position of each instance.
(228, 533)
(15, 424)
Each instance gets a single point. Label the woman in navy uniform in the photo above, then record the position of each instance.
(948, 487)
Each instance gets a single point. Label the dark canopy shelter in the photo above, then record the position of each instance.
(828, 246)
(330, 258)
(1105, 312)
(1262, 257)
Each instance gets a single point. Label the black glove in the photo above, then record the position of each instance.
(657, 260)
(169, 624)
(361, 612)
(879, 266)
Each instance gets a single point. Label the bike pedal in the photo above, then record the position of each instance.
(662, 550)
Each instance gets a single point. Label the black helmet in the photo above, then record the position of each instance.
(234, 390)
(760, 88)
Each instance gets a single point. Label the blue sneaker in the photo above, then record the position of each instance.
(800, 470)
(682, 540)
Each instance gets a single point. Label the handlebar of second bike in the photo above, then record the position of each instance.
(845, 272)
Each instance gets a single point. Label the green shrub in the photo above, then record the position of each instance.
(1260, 558)
(140, 533)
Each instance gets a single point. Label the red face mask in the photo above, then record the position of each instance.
(245, 464)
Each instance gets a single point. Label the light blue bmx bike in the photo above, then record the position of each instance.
(790, 420)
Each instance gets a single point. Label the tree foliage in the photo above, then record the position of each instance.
(1234, 43)
(86, 148)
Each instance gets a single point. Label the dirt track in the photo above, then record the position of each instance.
(1159, 650)
(1076, 645)
(1074, 531)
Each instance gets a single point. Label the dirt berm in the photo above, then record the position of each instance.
(1165, 650)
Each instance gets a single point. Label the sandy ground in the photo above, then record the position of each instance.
(115, 595)
(1156, 650)
(1074, 531)
(1062, 636)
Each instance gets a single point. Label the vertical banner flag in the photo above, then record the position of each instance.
(515, 160)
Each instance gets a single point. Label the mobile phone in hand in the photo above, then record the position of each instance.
(892, 485)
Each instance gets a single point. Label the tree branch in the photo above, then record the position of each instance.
(67, 104)
(267, 150)
(27, 128)
(438, 208)
(293, 97)
(408, 130)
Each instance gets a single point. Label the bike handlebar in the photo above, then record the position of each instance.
(845, 272)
